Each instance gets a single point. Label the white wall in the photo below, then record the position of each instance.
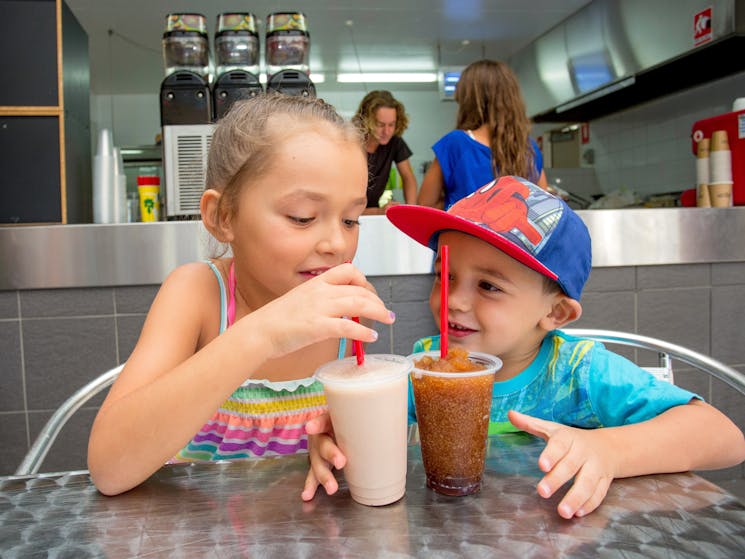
(134, 119)
(648, 148)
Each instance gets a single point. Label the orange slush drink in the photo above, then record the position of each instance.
(368, 408)
(452, 409)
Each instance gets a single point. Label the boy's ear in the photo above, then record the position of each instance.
(216, 222)
(563, 311)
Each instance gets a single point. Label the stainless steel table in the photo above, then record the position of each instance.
(253, 509)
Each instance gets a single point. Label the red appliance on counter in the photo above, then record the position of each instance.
(734, 124)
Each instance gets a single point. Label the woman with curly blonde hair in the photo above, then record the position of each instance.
(382, 119)
(490, 140)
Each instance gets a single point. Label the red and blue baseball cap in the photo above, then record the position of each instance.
(517, 217)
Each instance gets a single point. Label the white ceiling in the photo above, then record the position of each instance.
(389, 35)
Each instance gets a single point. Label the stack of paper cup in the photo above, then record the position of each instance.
(103, 178)
(720, 170)
(109, 182)
(702, 174)
(119, 205)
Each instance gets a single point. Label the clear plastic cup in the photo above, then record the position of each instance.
(452, 410)
(368, 408)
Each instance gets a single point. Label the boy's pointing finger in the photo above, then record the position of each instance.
(533, 425)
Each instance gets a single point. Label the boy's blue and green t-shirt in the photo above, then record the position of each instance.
(576, 382)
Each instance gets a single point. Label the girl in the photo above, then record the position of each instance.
(223, 365)
(491, 138)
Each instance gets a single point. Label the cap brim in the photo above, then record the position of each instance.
(421, 223)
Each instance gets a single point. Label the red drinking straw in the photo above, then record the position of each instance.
(359, 349)
(444, 287)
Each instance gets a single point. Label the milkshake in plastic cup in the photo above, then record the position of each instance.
(368, 408)
(452, 410)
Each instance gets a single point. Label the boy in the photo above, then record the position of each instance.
(519, 258)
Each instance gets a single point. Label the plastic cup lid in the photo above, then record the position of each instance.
(376, 368)
(491, 362)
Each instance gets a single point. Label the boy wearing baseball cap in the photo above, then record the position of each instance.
(519, 258)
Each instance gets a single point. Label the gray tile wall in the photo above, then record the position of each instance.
(51, 343)
(54, 341)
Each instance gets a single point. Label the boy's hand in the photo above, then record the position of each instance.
(323, 454)
(583, 454)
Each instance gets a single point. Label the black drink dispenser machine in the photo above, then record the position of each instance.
(190, 100)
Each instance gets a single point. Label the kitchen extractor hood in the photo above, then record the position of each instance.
(614, 54)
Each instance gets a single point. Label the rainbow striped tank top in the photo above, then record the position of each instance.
(261, 418)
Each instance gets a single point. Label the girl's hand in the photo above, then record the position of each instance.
(582, 454)
(314, 311)
(323, 454)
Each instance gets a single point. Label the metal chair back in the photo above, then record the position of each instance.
(668, 350)
(35, 456)
(38, 451)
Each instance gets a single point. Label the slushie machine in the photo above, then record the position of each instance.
(192, 97)
(287, 52)
(237, 61)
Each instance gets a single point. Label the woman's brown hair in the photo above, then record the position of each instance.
(488, 93)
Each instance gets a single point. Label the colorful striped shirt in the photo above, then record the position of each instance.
(261, 418)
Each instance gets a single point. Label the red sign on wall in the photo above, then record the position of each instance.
(702, 32)
(585, 132)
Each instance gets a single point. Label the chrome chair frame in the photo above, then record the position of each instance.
(38, 451)
(717, 369)
(35, 456)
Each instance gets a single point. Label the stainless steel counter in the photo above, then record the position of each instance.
(143, 253)
(253, 509)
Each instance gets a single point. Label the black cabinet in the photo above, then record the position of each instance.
(28, 53)
(29, 190)
(45, 154)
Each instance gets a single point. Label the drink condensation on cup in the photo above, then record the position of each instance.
(368, 408)
(452, 410)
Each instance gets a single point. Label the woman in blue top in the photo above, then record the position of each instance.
(491, 138)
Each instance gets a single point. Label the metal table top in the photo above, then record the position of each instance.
(252, 508)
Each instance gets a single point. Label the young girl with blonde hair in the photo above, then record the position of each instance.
(223, 366)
